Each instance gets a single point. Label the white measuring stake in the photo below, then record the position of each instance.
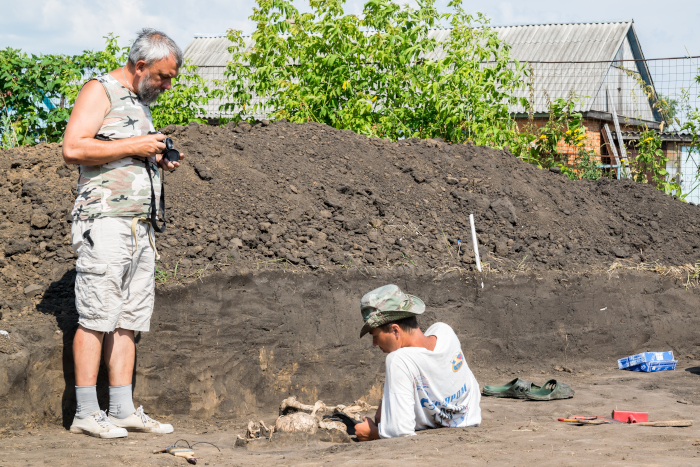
(476, 245)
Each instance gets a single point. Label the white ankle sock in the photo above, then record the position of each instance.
(121, 405)
(86, 396)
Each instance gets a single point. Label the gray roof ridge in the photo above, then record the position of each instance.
(523, 25)
(573, 23)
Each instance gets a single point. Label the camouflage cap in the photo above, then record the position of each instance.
(387, 304)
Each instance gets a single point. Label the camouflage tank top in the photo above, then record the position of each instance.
(119, 188)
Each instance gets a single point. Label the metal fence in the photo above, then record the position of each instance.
(648, 90)
(211, 74)
(660, 94)
(651, 91)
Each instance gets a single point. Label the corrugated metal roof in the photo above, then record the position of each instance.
(538, 42)
(684, 135)
(213, 50)
(564, 42)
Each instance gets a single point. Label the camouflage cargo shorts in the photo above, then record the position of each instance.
(114, 285)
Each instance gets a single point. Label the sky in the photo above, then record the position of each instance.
(71, 26)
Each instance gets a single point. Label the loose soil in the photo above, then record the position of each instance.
(276, 231)
(513, 432)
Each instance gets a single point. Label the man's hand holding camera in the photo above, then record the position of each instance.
(161, 147)
(165, 163)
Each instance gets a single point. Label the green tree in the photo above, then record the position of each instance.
(380, 74)
(37, 92)
(692, 127)
(668, 107)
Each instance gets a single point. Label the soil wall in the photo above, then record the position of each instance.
(233, 346)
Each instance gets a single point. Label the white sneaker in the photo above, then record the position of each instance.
(97, 425)
(139, 421)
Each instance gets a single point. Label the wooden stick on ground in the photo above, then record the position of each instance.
(668, 423)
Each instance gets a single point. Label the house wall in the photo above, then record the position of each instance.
(684, 164)
(676, 152)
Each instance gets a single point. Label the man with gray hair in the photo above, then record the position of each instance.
(109, 136)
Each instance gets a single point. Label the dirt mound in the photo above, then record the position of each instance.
(309, 196)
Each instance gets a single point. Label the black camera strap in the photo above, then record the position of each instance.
(154, 211)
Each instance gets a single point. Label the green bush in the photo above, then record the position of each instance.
(184, 102)
(37, 92)
(27, 82)
(692, 127)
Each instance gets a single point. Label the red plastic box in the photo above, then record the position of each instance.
(630, 417)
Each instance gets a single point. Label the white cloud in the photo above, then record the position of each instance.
(70, 26)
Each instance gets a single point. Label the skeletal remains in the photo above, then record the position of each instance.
(296, 417)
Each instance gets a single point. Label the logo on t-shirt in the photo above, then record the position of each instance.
(457, 362)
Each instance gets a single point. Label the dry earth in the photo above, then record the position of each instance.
(513, 433)
(309, 197)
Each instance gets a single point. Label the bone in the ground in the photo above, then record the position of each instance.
(291, 405)
(298, 417)
(332, 425)
(297, 422)
(258, 430)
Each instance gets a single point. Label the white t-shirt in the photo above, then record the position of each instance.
(428, 389)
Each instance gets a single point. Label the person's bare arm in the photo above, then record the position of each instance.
(79, 143)
(378, 415)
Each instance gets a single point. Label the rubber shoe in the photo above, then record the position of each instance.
(139, 421)
(97, 425)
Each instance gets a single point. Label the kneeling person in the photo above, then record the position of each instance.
(428, 383)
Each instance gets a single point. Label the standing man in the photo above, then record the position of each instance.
(428, 383)
(107, 134)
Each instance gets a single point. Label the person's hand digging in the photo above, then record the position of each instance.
(367, 430)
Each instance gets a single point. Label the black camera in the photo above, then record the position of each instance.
(173, 155)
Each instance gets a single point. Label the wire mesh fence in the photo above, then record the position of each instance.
(659, 94)
(212, 75)
(650, 91)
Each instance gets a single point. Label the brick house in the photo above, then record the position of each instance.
(601, 63)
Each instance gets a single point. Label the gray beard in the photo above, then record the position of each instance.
(147, 92)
